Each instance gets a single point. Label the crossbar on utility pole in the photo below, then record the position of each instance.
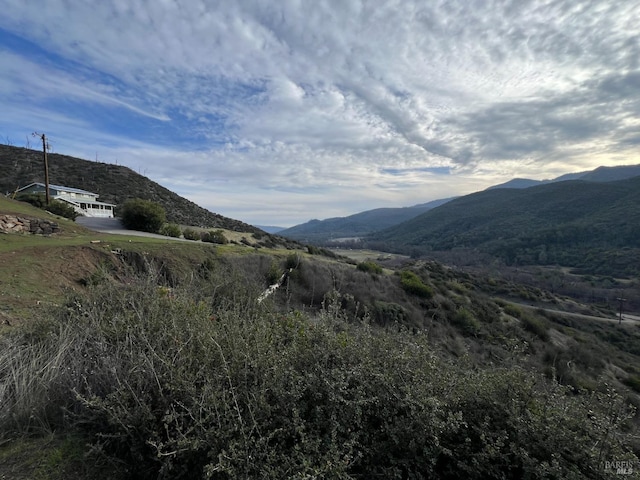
(46, 164)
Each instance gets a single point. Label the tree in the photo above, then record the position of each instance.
(144, 215)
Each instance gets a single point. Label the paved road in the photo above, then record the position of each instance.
(114, 225)
(627, 319)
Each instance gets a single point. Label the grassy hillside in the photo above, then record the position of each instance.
(144, 358)
(114, 183)
(594, 227)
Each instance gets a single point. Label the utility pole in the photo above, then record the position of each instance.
(621, 300)
(46, 163)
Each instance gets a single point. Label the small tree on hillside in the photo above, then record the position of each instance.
(144, 215)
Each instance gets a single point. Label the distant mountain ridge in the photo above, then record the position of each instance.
(593, 225)
(114, 183)
(270, 228)
(357, 225)
(371, 221)
(600, 174)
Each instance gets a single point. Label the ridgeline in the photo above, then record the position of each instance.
(114, 183)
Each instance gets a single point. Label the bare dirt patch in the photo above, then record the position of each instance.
(38, 277)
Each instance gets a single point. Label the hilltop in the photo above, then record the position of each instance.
(114, 183)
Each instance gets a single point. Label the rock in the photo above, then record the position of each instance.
(15, 224)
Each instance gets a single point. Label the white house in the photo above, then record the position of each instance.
(85, 203)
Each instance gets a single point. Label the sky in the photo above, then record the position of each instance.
(278, 112)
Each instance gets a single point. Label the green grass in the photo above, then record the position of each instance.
(52, 457)
(304, 337)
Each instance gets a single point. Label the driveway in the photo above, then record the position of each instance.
(114, 225)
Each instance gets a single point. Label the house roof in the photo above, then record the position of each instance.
(60, 187)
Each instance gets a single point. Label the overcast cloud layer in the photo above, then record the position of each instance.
(279, 112)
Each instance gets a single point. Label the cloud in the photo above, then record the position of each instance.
(325, 102)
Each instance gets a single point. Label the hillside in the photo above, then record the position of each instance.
(357, 225)
(114, 183)
(588, 225)
(150, 358)
(370, 221)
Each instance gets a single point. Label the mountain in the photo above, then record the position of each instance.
(611, 174)
(114, 183)
(519, 183)
(365, 223)
(269, 228)
(600, 174)
(584, 224)
(357, 225)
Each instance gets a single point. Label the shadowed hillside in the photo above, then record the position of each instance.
(364, 223)
(114, 183)
(357, 225)
(588, 225)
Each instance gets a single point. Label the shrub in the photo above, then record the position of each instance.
(171, 230)
(633, 382)
(465, 321)
(512, 310)
(191, 234)
(63, 209)
(537, 326)
(387, 313)
(273, 274)
(171, 389)
(292, 261)
(35, 199)
(313, 250)
(55, 206)
(214, 236)
(411, 283)
(144, 215)
(370, 267)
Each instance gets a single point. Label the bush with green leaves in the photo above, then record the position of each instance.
(56, 207)
(171, 230)
(386, 313)
(36, 199)
(191, 234)
(185, 386)
(411, 283)
(214, 236)
(466, 321)
(370, 267)
(143, 215)
(537, 325)
(313, 250)
(293, 260)
(63, 209)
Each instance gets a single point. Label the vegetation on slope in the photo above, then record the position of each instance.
(587, 225)
(164, 363)
(186, 383)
